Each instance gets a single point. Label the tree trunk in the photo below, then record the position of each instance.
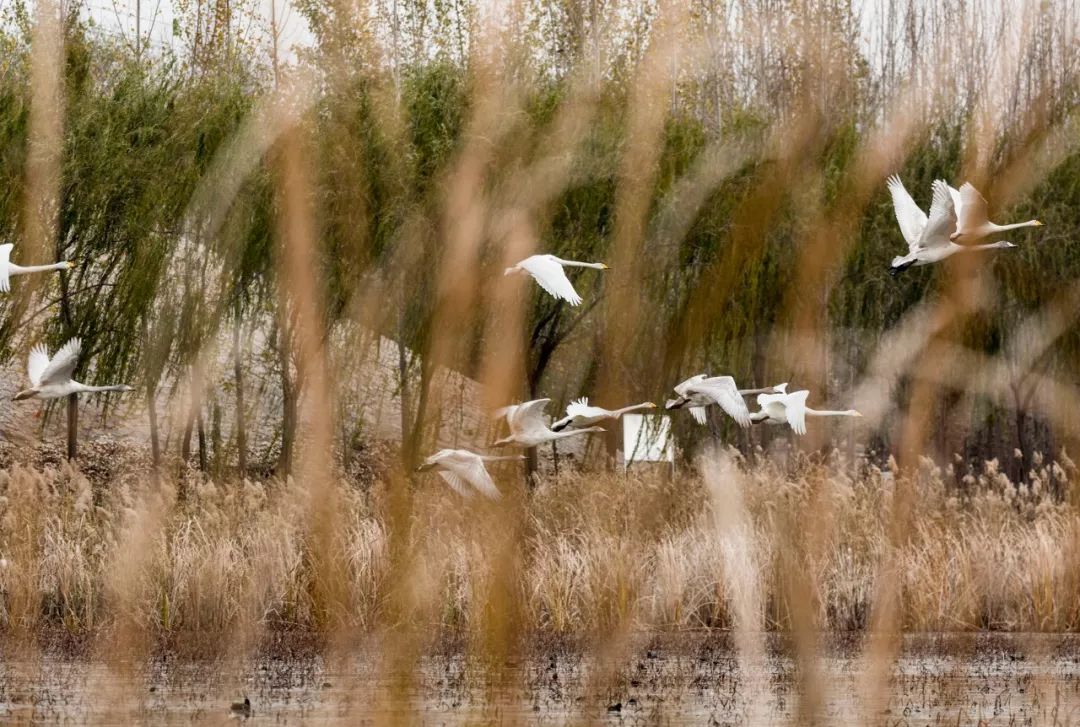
(1022, 445)
(611, 447)
(532, 467)
(73, 427)
(241, 423)
(155, 441)
(185, 443)
(203, 462)
(216, 448)
(151, 404)
(73, 400)
(288, 405)
(403, 384)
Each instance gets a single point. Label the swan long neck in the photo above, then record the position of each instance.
(99, 389)
(578, 264)
(633, 407)
(978, 248)
(14, 269)
(503, 457)
(832, 413)
(1017, 225)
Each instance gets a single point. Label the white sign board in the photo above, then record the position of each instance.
(647, 439)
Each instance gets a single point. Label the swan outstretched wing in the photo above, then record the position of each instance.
(795, 408)
(723, 391)
(973, 211)
(62, 365)
(683, 389)
(957, 201)
(912, 220)
(942, 221)
(456, 483)
(528, 416)
(37, 363)
(551, 277)
(5, 258)
(470, 467)
(578, 407)
(700, 415)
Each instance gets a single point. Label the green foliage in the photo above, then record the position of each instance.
(383, 140)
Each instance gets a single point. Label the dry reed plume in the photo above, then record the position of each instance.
(595, 551)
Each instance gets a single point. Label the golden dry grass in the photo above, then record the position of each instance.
(592, 554)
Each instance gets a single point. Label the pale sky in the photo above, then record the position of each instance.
(118, 17)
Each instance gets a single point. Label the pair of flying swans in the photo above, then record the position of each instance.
(791, 409)
(8, 268)
(699, 392)
(528, 428)
(547, 271)
(462, 469)
(51, 378)
(956, 216)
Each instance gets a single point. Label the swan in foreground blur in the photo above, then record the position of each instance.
(547, 270)
(528, 428)
(973, 221)
(51, 379)
(698, 392)
(580, 414)
(8, 268)
(459, 467)
(928, 238)
(785, 408)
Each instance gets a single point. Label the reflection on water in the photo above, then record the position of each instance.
(1029, 679)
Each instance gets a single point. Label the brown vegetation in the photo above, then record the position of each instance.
(232, 565)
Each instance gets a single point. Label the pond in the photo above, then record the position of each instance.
(936, 679)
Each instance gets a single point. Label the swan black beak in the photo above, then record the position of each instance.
(674, 403)
(27, 394)
(424, 467)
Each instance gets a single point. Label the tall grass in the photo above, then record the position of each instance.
(233, 564)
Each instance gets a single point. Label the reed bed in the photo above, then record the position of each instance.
(596, 552)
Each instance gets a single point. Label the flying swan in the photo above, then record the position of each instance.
(785, 408)
(51, 379)
(547, 270)
(528, 428)
(973, 220)
(580, 414)
(698, 392)
(8, 268)
(460, 468)
(928, 238)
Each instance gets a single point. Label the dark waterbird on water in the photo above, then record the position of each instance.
(242, 708)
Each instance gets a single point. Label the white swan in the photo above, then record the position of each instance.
(928, 238)
(51, 379)
(8, 268)
(580, 414)
(698, 392)
(785, 408)
(528, 428)
(973, 219)
(460, 467)
(547, 270)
